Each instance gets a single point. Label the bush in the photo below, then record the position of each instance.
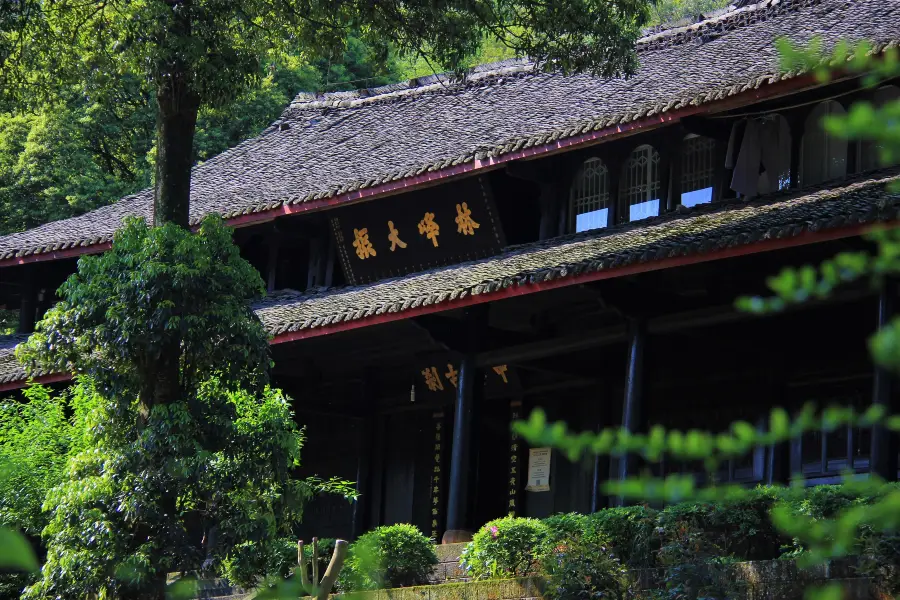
(583, 567)
(740, 528)
(507, 547)
(880, 562)
(632, 532)
(276, 559)
(387, 557)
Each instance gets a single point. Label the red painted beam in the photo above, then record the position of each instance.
(44, 379)
(765, 92)
(531, 288)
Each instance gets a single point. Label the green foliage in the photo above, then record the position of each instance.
(664, 12)
(880, 562)
(632, 533)
(197, 481)
(388, 557)
(219, 51)
(36, 439)
(184, 481)
(506, 547)
(583, 567)
(160, 295)
(251, 564)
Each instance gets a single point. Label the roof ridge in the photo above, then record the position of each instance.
(713, 25)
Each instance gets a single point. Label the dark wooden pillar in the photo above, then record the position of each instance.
(614, 166)
(797, 124)
(27, 306)
(375, 505)
(550, 217)
(272, 267)
(884, 443)
(634, 379)
(471, 384)
(364, 459)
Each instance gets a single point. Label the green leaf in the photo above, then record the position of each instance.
(16, 553)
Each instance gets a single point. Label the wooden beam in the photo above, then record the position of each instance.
(765, 92)
(883, 460)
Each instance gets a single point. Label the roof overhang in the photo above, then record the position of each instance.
(767, 91)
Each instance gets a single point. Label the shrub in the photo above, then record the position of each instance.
(507, 547)
(276, 559)
(741, 528)
(387, 557)
(583, 567)
(632, 532)
(880, 562)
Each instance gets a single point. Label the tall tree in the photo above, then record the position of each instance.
(197, 53)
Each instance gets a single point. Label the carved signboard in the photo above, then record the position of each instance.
(439, 376)
(417, 231)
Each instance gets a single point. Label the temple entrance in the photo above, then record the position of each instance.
(492, 461)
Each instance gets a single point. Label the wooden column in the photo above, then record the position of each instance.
(375, 505)
(549, 226)
(364, 486)
(797, 123)
(884, 444)
(634, 379)
(471, 383)
(27, 306)
(272, 267)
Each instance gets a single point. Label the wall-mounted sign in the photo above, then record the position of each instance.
(440, 376)
(417, 231)
(538, 470)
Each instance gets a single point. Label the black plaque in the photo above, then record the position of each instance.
(417, 231)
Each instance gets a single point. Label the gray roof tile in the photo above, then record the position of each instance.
(702, 229)
(338, 143)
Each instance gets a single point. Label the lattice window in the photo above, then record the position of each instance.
(697, 156)
(823, 156)
(870, 151)
(640, 183)
(590, 197)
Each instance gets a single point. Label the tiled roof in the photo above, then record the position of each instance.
(10, 369)
(688, 232)
(703, 229)
(345, 142)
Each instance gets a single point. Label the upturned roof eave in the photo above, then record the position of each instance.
(784, 86)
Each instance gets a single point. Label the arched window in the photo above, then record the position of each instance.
(822, 156)
(640, 183)
(697, 170)
(590, 197)
(870, 151)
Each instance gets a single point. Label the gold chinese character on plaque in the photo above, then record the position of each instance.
(465, 224)
(433, 381)
(394, 237)
(429, 228)
(452, 374)
(512, 470)
(362, 244)
(512, 503)
(434, 523)
(501, 371)
(437, 468)
(434, 511)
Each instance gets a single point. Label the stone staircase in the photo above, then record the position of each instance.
(447, 569)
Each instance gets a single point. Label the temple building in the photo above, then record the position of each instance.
(443, 255)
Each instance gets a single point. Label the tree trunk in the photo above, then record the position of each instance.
(176, 121)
